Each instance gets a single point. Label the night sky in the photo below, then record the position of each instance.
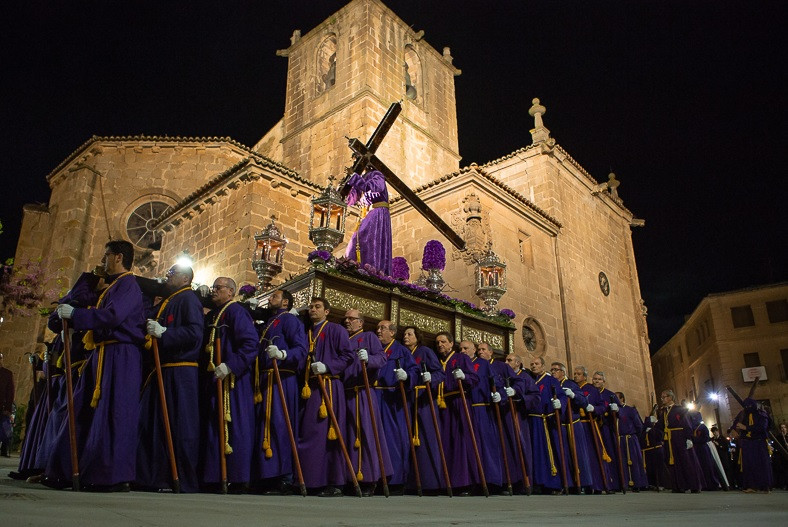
(684, 101)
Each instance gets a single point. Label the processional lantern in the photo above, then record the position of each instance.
(327, 219)
(268, 254)
(490, 279)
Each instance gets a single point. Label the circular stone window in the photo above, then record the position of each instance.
(139, 225)
(533, 336)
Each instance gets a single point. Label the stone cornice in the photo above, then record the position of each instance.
(476, 170)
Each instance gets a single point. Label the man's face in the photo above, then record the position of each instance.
(444, 346)
(468, 348)
(409, 338)
(276, 300)
(113, 263)
(598, 381)
(353, 321)
(557, 372)
(317, 311)
(176, 278)
(537, 367)
(666, 399)
(579, 376)
(784, 429)
(221, 292)
(484, 351)
(512, 361)
(384, 332)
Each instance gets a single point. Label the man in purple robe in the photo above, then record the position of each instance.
(229, 326)
(525, 395)
(710, 467)
(398, 368)
(652, 445)
(425, 436)
(606, 413)
(361, 437)
(752, 426)
(630, 427)
(177, 324)
(677, 436)
(283, 339)
(371, 243)
(330, 353)
(575, 434)
(544, 432)
(7, 393)
(455, 433)
(600, 458)
(481, 398)
(111, 381)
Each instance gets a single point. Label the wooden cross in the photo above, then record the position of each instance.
(365, 157)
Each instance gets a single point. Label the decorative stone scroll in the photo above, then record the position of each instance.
(421, 321)
(345, 301)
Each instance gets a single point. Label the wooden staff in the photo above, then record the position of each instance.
(437, 432)
(416, 473)
(293, 446)
(599, 447)
(335, 423)
(503, 442)
(374, 420)
(624, 484)
(519, 441)
(561, 453)
(654, 413)
(220, 408)
(473, 439)
(165, 416)
(72, 425)
(570, 430)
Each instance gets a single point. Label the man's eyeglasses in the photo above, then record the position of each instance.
(217, 287)
(352, 318)
(556, 369)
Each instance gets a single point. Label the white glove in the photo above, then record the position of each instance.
(154, 328)
(569, 393)
(590, 408)
(689, 444)
(426, 377)
(253, 302)
(222, 371)
(318, 368)
(458, 374)
(496, 397)
(509, 391)
(275, 353)
(402, 375)
(64, 311)
(614, 407)
(362, 355)
(556, 404)
(652, 419)
(648, 429)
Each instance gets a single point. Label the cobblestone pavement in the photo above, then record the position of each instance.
(24, 504)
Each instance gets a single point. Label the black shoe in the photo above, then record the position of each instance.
(55, 483)
(330, 492)
(695, 491)
(281, 490)
(238, 488)
(117, 487)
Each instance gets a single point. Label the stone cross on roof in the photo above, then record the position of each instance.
(539, 133)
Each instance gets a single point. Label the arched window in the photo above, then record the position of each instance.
(326, 64)
(412, 75)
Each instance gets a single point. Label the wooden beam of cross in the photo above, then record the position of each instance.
(366, 158)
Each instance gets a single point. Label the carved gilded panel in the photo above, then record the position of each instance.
(345, 301)
(476, 335)
(424, 322)
(301, 298)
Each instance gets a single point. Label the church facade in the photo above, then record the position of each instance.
(566, 239)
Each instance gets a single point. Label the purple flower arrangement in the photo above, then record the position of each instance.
(508, 313)
(318, 255)
(247, 291)
(400, 269)
(434, 256)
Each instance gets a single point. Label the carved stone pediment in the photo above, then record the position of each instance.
(473, 224)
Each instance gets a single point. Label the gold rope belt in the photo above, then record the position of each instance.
(379, 204)
(480, 404)
(669, 438)
(99, 371)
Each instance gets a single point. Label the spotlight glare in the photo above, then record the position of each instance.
(714, 396)
(691, 406)
(184, 261)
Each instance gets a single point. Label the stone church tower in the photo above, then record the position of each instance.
(566, 238)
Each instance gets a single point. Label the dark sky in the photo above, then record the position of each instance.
(684, 100)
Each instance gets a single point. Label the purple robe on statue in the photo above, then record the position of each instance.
(484, 422)
(392, 413)
(630, 428)
(239, 349)
(682, 464)
(286, 332)
(425, 436)
(179, 352)
(321, 457)
(372, 240)
(358, 428)
(107, 394)
(753, 461)
(526, 400)
(454, 428)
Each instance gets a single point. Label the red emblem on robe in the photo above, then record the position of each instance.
(476, 367)
(170, 318)
(418, 360)
(276, 322)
